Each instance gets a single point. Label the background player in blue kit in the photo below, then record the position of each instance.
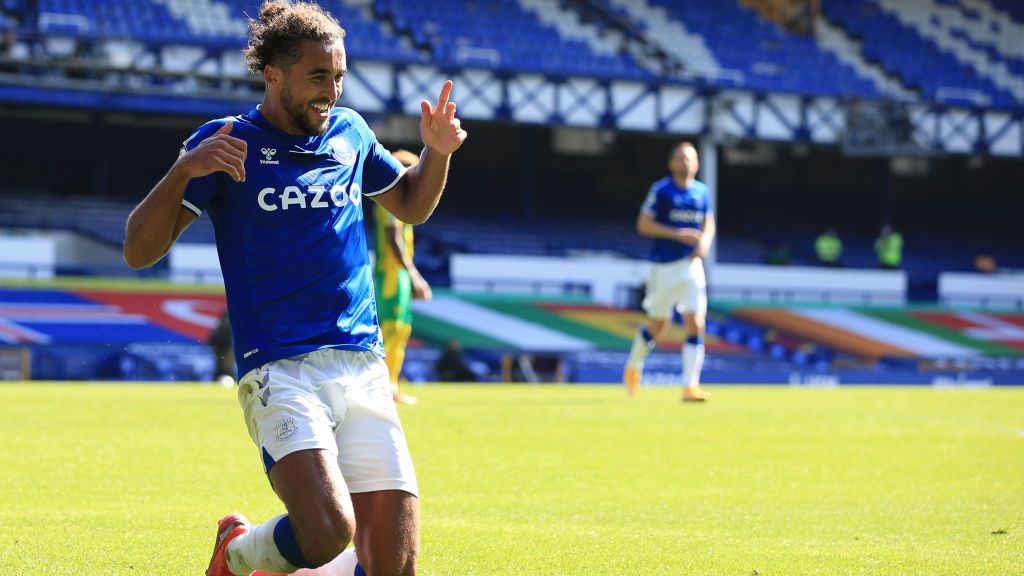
(676, 215)
(283, 185)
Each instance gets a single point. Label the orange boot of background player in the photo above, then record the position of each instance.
(695, 394)
(631, 378)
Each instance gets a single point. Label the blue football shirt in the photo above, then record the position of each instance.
(291, 240)
(673, 206)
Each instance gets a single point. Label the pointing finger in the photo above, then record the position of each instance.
(442, 101)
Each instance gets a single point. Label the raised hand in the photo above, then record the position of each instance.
(218, 153)
(441, 131)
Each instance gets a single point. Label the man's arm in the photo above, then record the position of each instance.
(707, 237)
(157, 222)
(648, 226)
(416, 195)
(420, 288)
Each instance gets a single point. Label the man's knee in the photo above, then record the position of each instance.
(657, 328)
(321, 539)
(694, 324)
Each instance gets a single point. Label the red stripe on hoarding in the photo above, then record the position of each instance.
(190, 314)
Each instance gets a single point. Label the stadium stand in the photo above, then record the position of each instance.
(725, 33)
(103, 219)
(1003, 10)
(516, 35)
(902, 36)
(956, 51)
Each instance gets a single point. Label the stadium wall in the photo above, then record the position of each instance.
(614, 281)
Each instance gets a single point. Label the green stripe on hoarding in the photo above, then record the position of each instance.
(902, 318)
(440, 333)
(526, 310)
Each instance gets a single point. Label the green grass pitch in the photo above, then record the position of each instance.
(131, 479)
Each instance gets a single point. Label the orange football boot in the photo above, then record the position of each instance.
(695, 394)
(631, 378)
(229, 528)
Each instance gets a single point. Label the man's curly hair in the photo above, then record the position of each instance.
(276, 34)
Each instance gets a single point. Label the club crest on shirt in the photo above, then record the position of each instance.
(342, 151)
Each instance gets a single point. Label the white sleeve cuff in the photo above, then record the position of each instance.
(191, 207)
(389, 186)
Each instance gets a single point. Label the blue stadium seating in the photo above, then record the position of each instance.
(513, 36)
(103, 219)
(499, 33)
(769, 58)
(1012, 7)
(902, 50)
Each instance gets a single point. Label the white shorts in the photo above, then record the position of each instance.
(334, 400)
(676, 285)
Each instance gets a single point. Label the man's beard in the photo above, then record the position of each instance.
(299, 114)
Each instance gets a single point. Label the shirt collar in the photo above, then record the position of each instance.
(299, 143)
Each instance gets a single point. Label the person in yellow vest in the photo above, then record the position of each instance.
(396, 282)
(829, 247)
(889, 248)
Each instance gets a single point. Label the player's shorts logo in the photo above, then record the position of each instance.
(269, 154)
(286, 428)
(342, 151)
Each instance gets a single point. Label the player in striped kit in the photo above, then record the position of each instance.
(396, 281)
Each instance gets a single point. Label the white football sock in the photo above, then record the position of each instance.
(256, 550)
(344, 564)
(642, 345)
(693, 361)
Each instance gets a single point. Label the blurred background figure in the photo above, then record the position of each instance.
(452, 365)
(889, 248)
(7, 41)
(829, 248)
(985, 264)
(779, 255)
(396, 282)
(677, 215)
(223, 353)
